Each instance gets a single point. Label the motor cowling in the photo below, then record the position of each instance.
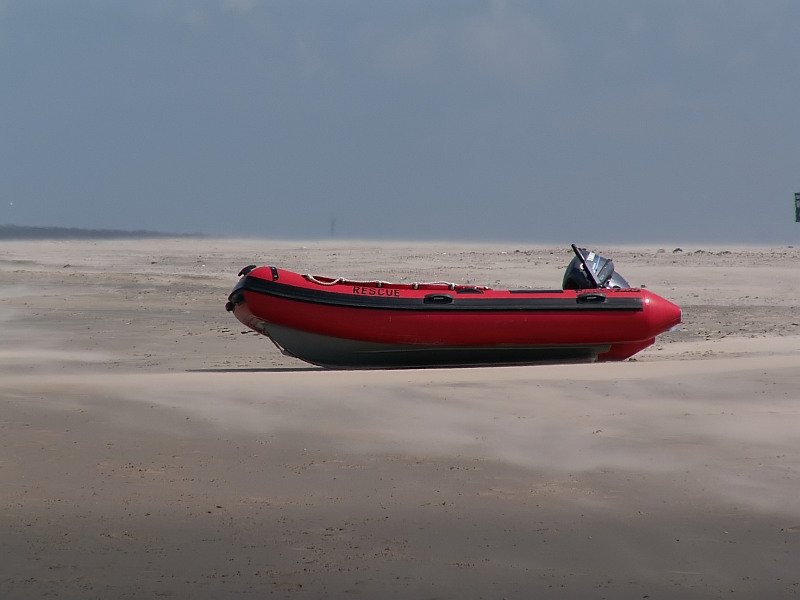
(588, 270)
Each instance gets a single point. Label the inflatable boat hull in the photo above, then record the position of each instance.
(346, 324)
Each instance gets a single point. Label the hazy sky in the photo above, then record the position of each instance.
(546, 121)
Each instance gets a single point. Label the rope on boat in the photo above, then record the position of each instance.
(341, 280)
(416, 285)
(313, 279)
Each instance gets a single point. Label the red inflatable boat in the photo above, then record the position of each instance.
(341, 323)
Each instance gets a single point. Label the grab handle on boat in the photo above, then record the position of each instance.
(591, 299)
(437, 299)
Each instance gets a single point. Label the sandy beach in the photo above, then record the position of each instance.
(151, 447)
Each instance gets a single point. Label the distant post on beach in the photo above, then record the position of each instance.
(797, 207)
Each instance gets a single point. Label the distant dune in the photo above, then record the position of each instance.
(21, 232)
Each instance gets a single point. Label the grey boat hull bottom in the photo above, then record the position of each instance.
(340, 353)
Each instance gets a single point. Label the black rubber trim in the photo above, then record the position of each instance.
(281, 290)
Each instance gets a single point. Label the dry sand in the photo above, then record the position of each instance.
(150, 447)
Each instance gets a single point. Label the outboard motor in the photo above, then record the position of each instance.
(589, 270)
